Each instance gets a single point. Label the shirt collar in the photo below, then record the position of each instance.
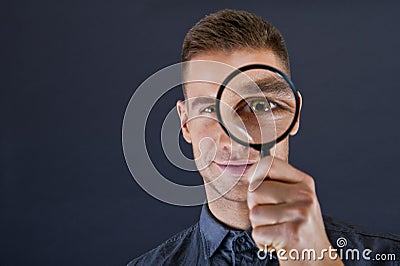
(214, 231)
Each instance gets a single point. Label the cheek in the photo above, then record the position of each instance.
(203, 137)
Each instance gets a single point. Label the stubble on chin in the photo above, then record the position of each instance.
(233, 190)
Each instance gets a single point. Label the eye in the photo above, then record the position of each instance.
(259, 105)
(209, 109)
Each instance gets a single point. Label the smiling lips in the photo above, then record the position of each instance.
(235, 168)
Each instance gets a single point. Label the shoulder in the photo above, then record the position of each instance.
(171, 249)
(345, 235)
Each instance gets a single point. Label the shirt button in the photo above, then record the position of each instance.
(241, 240)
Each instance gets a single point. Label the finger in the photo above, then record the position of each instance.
(271, 192)
(277, 235)
(275, 192)
(275, 169)
(273, 214)
(258, 173)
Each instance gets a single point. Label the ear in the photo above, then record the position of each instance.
(297, 125)
(183, 116)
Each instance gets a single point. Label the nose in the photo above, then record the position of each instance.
(228, 145)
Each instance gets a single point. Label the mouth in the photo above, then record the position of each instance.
(236, 168)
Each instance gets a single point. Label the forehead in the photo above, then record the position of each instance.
(205, 72)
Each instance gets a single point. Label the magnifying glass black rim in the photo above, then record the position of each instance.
(257, 146)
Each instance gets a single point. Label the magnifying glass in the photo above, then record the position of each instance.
(258, 106)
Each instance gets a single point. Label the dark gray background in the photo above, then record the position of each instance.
(68, 69)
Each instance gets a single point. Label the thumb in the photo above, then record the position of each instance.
(258, 172)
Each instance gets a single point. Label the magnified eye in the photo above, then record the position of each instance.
(209, 109)
(259, 105)
(255, 105)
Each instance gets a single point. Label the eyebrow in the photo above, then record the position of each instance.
(271, 86)
(201, 101)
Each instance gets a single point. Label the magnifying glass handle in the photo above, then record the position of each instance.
(265, 151)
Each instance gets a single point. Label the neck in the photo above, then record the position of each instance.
(231, 213)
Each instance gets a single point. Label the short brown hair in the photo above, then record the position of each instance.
(228, 29)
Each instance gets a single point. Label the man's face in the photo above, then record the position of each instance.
(222, 162)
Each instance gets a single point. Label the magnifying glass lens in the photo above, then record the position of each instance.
(257, 106)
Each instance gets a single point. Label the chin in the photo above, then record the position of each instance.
(237, 194)
(228, 191)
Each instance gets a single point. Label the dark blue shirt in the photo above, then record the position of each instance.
(210, 242)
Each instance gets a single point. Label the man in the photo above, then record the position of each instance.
(281, 216)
